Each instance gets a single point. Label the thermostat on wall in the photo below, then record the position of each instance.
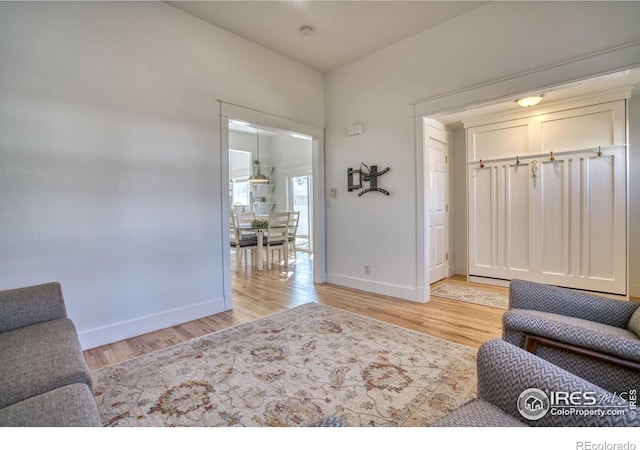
(354, 130)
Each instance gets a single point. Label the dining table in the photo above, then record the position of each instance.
(260, 234)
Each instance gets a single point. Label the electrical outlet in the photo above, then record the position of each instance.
(367, 269)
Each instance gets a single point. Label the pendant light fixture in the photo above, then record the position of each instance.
(258, 177)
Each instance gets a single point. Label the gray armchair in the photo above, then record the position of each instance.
(505, 372)
(591, 336)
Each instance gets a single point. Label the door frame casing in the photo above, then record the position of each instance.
(604, 62)
(229, 111)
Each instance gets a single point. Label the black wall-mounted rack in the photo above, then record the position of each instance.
(365, 175)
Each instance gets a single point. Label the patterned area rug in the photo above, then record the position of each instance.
(291, 369)
(481, 296)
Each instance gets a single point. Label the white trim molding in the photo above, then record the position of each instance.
(391, 290)
(608, 61)
(140, 325)
(230, 111)
(266, 119)
(623, 57)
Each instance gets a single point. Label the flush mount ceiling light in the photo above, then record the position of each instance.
(306, 30)
(529, 101)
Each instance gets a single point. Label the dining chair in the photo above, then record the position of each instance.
(277, 236)
(245, 219)
(294, 216)
(242, 241)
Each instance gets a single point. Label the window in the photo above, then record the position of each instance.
(241, 191)
(239, 172)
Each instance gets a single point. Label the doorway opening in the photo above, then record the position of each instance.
(284, 161)
(286, 149)
(300, 199)
(595, 90)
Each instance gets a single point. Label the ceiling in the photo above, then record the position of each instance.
(344, 31)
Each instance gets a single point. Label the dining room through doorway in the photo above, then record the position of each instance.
(270, 171)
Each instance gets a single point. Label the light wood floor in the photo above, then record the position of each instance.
(260, 293)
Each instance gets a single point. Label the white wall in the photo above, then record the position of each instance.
(488, 43)
(247, 142)
(634, 193)
(458, 186)
(286, 153)
(110, 155)
(290, 155)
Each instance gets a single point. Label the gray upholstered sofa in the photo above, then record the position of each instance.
(591, 336)
(44, 379)
(506, 372)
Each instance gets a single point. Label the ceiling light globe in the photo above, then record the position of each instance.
(529, 101)
(306, 30)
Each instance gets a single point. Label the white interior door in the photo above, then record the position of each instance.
(437, 141)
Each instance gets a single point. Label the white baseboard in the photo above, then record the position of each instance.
(145, 324)
(489, 281)
(506, 283)
(391, 290)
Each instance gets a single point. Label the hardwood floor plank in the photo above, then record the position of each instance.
(258, 294)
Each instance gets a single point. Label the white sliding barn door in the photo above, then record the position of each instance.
(556, 218)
